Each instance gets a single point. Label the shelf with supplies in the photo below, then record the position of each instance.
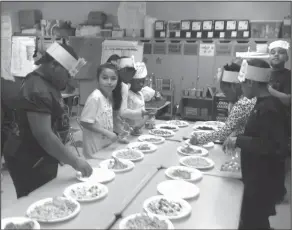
(220, 107)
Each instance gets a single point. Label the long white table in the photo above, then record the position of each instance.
(217, 207)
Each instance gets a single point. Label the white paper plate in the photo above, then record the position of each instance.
(162, 126)
(211, 163)
(186, 207)
(134, 145)
(18, 220)
(208, 145)
(178, 123)
(196, 126)
(41, 202)
(86, 185)
(144, 138)
(98, 175)
(124, 222)
(139, 154)
(196, 175)
(104, 164)
(204, 152)
(168, 133)
(178, 188)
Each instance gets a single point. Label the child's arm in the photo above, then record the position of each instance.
(284, 98)
(88, 118)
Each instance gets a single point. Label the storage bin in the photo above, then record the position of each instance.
(266, 29)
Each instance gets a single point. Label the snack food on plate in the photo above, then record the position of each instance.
(197, 162)
(55, 209)
(26, 225)
(115, 163)
(189, 150)
(178, 173)
(205, 128)
(167, 127)
(165, 207)
(128, 154)
(161, 132)
(84, 192)
(142, 147)
(144, 221)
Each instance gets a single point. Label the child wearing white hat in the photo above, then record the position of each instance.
(135, 97)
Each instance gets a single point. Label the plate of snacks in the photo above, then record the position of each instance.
(144, 147)
(162, 132)
(192, 150)
(152, 139)
(52, 210)
(178, 188)
(19, 223)
(167, 127)
(86, 191)
(99, 175)
(117, 165)
(204, 128)
(183, 173)
(208, 145)
(178, 123)
(145, 221)
(129, 154)
(217, 124)
(197, 162)
(169, 207)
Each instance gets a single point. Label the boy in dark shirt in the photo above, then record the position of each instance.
(263, 148)
(280, 87)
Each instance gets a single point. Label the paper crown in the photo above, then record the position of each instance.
(253, 73)
(127, 62)
(229, 76)
(141, 70)
(252, 55)
(279, 44)
(66, 59)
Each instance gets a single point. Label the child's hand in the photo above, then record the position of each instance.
(113, 137)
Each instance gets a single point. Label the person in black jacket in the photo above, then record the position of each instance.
(263, 148)
(32, 154)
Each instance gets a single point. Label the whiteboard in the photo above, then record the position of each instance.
(22, 50)
(122, 48)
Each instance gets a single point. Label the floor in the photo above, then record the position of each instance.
(281, 221)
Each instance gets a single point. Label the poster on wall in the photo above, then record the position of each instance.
(22, 51)
(131, 15)
(207, 50)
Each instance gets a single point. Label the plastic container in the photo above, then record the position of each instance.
(265, 29)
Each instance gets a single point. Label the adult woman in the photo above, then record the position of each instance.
(240, 111)
(33, 156)
(263, 148)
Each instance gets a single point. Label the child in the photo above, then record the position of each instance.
(97, 114)
(239, 113)
(263, 147)
(136, 99)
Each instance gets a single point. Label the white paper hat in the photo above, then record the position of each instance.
(65, 58)
(253, 73)
(279, 44)
(141, 70)
(230, 76)
(127, 62)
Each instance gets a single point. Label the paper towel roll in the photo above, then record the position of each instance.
(149, 26)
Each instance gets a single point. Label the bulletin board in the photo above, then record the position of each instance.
(22, 51)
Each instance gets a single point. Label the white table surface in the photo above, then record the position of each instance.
(217, 207)
(93, 215)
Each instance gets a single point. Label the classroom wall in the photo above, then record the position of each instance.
(77, 11)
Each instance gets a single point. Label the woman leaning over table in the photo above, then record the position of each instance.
(32, 157)
(240, 111)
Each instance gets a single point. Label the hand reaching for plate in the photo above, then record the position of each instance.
(229, 145)
(194, 139)
(83, 167)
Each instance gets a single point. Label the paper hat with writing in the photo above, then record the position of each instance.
(65, 58)
(127, 62)
(141, 70)
(279, 44)
(253, 73)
